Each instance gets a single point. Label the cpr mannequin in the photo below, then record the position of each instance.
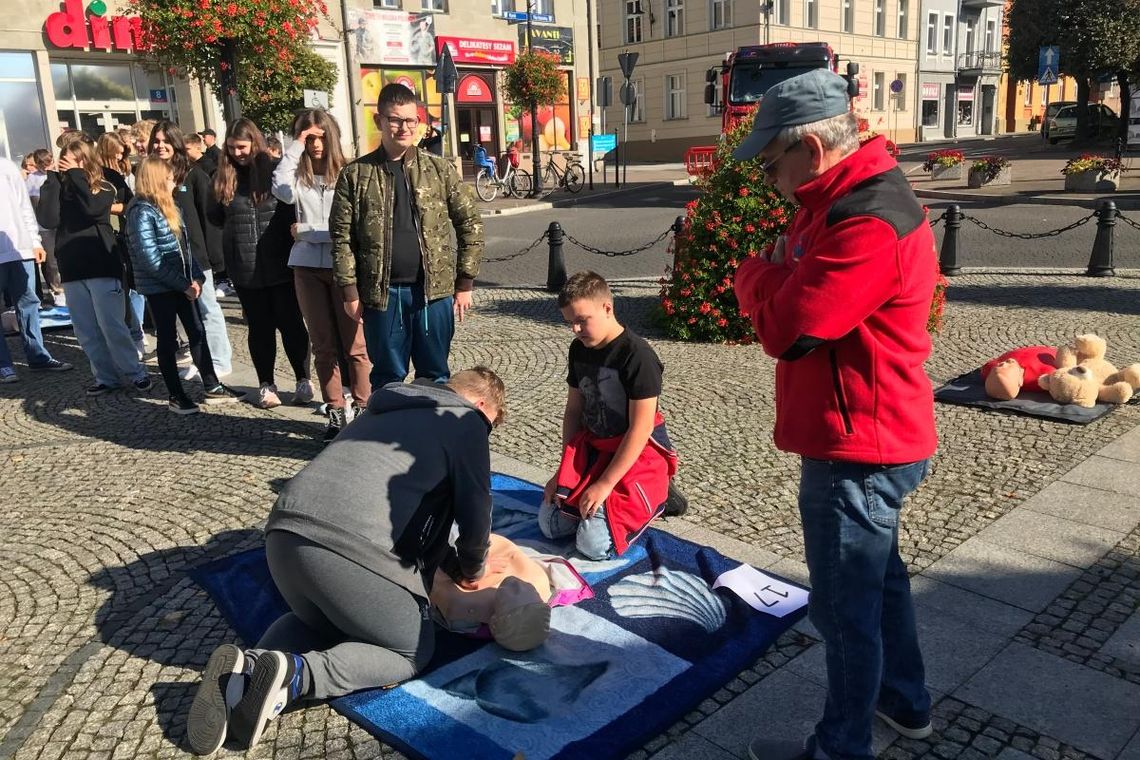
(511, 599)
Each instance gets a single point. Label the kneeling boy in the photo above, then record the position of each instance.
(617, 458)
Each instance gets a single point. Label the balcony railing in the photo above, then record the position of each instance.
(979, 62)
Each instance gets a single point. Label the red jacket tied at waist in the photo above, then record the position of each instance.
(638, 496)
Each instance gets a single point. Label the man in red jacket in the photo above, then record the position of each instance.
(842, 302)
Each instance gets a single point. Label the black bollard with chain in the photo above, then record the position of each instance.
(556, 265)
(1100, 263)
(677, 227)
(948, 258)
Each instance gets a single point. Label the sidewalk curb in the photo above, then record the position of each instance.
(1037, 200)
(574, 201)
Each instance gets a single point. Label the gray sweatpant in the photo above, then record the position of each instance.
(355, 629)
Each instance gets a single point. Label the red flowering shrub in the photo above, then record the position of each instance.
(737, 216)
(270, 37)
(534, 79)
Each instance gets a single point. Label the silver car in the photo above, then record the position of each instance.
(1063, 126)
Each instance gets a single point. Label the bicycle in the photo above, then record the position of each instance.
(514, 181)
(571, 177)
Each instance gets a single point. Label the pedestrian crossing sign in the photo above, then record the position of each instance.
(1048, 64)
(1048, 76)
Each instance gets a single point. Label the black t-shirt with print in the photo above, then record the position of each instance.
(609, 377)
(407, 261)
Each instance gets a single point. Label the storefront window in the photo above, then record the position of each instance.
(22, 126)
(372, 80)
(930, 113)
(965, 106)
(102, 81)
(60, 81)
(147, 82)
(555, 125)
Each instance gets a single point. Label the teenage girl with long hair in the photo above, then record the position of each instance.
(168, 275)
(306, 178)
(194, 197)
(255, 243)
(112, 153)
(76, 202)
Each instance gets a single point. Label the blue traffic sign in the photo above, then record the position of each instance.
(1048, 64)
(514, 15)
(541, 18)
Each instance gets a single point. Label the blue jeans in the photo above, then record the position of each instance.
(18, 282)
(135, 313)
(409, 329)
(214, 321)
(860, 597)
(100, 324)
(592, 537)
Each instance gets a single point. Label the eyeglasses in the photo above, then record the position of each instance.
(398, 123)
(769, 166)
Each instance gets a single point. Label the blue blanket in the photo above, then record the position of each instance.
(617, 670)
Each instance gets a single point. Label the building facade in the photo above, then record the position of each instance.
(959, 64)
(679, 40)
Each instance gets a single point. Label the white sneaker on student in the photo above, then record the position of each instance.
(304, 393)
(267, 397)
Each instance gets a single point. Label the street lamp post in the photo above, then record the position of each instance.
(536, 159)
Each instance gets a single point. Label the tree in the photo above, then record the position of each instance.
(209, 38)
(534, 80)
(1096, 37)
(271, 97)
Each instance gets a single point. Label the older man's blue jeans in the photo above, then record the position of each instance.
(860, 597)
(17, 281)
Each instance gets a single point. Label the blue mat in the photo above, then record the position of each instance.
(617, 670)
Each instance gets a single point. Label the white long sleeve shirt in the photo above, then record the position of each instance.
(19, 231)
(313, 246)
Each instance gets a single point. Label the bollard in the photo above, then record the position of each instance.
(948, 258)
(1100, 262)
(678, 227)
(556, 265)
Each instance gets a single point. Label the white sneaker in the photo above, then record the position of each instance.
(219, 293)
(189, 372)
(140, 348)
(304, 393)
(267, 397)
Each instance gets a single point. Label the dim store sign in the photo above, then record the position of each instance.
(74, 28)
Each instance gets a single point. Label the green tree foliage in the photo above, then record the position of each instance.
(1096, 37)
(272, 96)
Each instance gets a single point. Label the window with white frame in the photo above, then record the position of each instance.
(674, 96)
(674, 18)
(877, 87)
(968, 43)
(720, 11)
(948, 35)
(637, 113)
(991, 36)
(1028, 101)
(848, 16)
(389, 4)
(900, 96)
(932, 34)
(633, 21)
(904, 19)
(783, 12)
(436, 6)
(811, 13)
(544, 7)
(880, 18)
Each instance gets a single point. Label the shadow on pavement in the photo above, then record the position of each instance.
(1047, 296)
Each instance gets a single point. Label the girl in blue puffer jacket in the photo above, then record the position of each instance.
(171, 280)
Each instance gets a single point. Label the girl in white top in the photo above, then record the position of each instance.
(306, 178)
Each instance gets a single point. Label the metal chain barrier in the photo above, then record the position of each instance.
(936, 222)
(629, 252)
(1130, 222)
(518, 253)
(1029, 235)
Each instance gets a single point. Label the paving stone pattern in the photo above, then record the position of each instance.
(108, 501)
(1078, 622)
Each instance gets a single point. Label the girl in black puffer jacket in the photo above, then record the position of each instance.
(256, 241)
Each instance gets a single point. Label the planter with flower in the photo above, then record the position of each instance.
(1090, 173)
(944, 164)
(990, 170)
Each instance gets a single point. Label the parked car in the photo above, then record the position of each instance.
(1063, 125)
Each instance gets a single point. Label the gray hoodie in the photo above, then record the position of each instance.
(385, 492)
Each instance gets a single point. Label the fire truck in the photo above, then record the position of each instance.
(745, 75)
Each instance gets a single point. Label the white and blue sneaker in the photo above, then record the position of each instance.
(275, 682)
(8, 375)
(223, 684)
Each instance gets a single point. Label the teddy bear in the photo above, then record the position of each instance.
(1084, 377)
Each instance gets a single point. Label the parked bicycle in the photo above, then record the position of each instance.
(570, 177)
(488, 183)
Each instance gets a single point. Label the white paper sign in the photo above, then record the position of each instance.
(763, 592)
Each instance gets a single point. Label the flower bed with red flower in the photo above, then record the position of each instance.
(737, 216)
(187, 34)
(942, 158)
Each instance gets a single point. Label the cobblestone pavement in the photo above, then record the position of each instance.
(109, 500)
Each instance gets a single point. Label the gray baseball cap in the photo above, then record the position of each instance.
(818, 94)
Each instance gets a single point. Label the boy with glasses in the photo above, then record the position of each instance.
(391, 222)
